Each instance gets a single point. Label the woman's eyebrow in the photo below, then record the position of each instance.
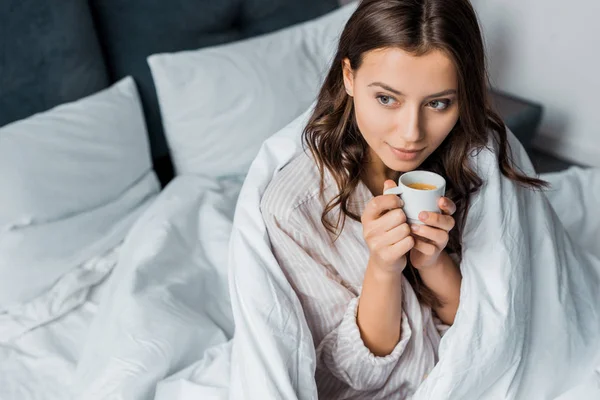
(386, 87)
(440, 94)
(399, 93)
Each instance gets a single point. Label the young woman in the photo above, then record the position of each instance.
(406, 91)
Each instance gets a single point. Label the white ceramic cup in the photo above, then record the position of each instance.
(417, 200)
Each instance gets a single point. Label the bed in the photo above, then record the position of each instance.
(84, 155)
(123, 175)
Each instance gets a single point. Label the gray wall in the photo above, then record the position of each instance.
(549, 51)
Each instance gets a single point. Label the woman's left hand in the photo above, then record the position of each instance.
(431, 239)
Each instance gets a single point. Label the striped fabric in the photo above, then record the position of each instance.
(327, 277)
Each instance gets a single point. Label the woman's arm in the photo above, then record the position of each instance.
(444, 279)
(380, 307)
(359, 339)
(380, 310)
(437, 269)
(332, 315)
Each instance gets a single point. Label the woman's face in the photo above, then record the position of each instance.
(405, 106)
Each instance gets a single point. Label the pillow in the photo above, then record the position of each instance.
(72, 179)
(49, 55)
(219, 104)
(131, 30)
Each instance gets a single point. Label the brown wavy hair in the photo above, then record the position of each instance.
(417, 27)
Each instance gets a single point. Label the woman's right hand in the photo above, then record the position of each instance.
(386, 232)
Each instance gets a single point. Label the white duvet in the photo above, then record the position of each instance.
(528, 326)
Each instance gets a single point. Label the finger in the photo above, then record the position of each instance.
(402, 247)
(396, 235)
(381, 243)
(385, 223)
(436, 236)
(380, 205)
(391, 220)
(388, 184)
(437, 220)
(447, 206)
(426, 248)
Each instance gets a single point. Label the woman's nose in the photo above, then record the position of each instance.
(410, 125)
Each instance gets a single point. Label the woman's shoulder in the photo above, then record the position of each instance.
(296, 184)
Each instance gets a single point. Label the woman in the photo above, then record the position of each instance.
(406, 91)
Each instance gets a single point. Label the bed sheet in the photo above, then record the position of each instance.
(160, 325)
(167, 302)
(40, 363)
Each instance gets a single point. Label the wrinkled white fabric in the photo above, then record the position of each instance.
(167, 299)
(161, 325)
(529, 319)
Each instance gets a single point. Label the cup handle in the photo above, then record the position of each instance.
(395, 190)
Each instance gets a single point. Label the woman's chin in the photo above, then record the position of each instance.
(403, 166)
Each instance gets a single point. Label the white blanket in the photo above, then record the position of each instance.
(527, 327)
(165, 303)
(167, 300)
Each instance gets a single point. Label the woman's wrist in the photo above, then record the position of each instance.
(435, 276)
(444, 279)
(384, 272)
(443, 261)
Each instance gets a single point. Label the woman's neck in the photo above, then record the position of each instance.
(376, 173)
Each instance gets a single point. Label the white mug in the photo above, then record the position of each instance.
(417, 200)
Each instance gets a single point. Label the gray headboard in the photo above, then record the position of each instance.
(56, 52)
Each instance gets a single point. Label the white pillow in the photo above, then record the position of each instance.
(219, 104)
(72, 178)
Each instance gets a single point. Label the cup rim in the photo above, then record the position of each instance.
(440, 181)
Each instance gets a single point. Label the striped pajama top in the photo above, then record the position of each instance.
(327, 276)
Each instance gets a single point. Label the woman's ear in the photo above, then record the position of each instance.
(348, 74)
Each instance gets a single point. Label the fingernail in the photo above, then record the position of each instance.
(401, 203)
(423, 215)
(415, 228)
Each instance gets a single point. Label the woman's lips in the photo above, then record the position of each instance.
(405, 154)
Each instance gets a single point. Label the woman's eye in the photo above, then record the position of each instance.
(439, 105)
(385, 100)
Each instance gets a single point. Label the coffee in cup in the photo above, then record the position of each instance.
(421, 186)
(420, 191)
